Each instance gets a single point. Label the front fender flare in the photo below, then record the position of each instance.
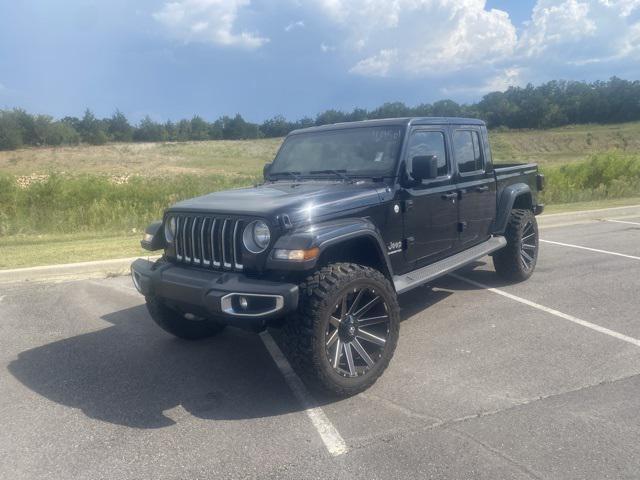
(154, 237)
(325, 235)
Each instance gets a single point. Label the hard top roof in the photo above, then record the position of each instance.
(390, 122)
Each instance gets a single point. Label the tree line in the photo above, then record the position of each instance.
(551, 104)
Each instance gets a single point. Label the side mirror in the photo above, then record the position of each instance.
(424, 167)
(266, 169)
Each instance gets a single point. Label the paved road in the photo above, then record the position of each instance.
(535, 380)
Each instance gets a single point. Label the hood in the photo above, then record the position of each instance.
(300, 200)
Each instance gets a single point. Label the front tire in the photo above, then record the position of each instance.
(517, 261)
(347, 328)
(179, 324)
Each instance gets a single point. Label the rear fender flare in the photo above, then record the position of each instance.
(506, 202)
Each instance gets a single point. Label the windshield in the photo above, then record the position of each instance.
(369, 151)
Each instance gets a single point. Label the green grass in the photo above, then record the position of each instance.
(224, 157)
(602, 177)
(592, 205)
(32, 250)
(69, 204)
(92, 203)
(564, 145)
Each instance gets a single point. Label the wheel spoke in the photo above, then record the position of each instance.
(334, 321)
(343, 307)
(529, 236)
(332, 338)
(365, 322)
(363, 353)
(349, 355)
(529, 246)
(369, 337)
(356, 301)
(526, 255)
(336, 355)
(366, 308)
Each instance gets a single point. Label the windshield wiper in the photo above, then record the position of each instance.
(340, 173)
(296, 175)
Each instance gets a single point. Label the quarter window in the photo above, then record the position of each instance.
(424, 142)
(466, 147)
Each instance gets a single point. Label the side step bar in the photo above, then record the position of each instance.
(404, 283)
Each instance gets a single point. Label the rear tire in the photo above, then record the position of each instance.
(517, 261)
(179, 324)
(346, 329)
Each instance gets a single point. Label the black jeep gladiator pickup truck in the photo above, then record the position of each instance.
(349, 216)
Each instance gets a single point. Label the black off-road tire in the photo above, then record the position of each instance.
(510, 262)
(305, 332)
(177, 324)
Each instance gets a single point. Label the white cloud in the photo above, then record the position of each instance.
(209, 21)
(294, 25)
(462, 42)
(326, 48)
(480, 49)
(421, 37)
(378, 65)
(582, 32)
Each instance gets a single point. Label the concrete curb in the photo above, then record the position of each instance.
(120, 266)
(69, 271)
(586, 216)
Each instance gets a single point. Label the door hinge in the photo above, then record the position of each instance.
(407, 205)
(408, 242)
(462, 226)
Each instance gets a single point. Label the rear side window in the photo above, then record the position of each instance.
(425, 142)
(466, 148)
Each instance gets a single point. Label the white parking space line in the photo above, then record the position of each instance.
(330, 436)
(590, 249)
(583, 323)
(622, 221)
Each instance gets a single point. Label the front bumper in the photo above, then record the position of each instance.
(216, 294)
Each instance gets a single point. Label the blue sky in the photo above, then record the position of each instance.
(173, 59)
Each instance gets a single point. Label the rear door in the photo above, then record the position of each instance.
(431, 207)
(476, 185)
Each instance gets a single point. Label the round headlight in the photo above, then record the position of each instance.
(170, 229)
(256, 236)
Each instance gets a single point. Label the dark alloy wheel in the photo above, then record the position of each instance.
(357, 332)
(346, 329)
(529, 245)
(517, 261)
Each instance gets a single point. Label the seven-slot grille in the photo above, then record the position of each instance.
(208, 241)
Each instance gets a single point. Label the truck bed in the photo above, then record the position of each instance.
(513, 173)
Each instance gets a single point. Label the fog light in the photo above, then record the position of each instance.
(296, 255)
(244, 303)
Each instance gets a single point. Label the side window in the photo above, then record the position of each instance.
(466, 148)
(424, 142)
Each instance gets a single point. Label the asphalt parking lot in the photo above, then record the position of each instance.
(534, 380)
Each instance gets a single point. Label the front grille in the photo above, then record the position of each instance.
(209, 241)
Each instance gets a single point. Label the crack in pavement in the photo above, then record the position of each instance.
(389, 436)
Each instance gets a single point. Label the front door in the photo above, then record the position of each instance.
(476, 185)
(431, 207)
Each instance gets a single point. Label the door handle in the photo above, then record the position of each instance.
(450, 196)
(483, 188)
